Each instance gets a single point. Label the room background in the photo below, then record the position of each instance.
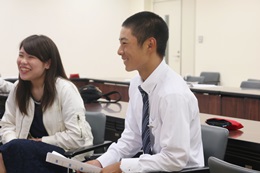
(217, 35)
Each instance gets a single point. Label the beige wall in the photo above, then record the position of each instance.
(86, 33)
(188, 37)
(231, 39)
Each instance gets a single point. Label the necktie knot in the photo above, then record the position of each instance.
(141, 90)
(144, 94)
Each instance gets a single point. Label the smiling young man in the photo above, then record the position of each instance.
(174, 133)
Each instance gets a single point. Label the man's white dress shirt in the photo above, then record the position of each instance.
(174, 124)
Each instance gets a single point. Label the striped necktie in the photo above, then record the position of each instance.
(145, 123)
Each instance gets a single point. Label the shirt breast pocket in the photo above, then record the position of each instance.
(155, 126)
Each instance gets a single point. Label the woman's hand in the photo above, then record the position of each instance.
(36, 139)
(30, 137)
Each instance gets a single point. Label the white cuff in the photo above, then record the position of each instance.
(1, 81)
(130, 165)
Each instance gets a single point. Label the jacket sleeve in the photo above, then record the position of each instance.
(74, 130)
(8, 121)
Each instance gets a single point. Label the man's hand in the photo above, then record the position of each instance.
(114, 168)
(93, 162)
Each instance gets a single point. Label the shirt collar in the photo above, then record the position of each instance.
(151, 82)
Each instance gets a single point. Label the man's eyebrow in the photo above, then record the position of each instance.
(123, 39)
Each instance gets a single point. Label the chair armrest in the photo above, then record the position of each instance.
(197, 170)
(193, 170)
(96, 155)
(93, 156)
(75, 152)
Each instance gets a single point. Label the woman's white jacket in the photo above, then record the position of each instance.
(64, 120)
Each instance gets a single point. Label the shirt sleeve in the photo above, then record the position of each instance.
(126, 147)
(130, 165)
(130, 142)
(5, 86)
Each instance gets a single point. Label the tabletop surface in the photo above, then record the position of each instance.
(250, 132)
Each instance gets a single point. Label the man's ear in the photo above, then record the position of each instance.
(151, 43)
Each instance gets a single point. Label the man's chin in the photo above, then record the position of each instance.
(129, 70)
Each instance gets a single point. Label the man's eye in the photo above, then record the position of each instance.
(31, 56)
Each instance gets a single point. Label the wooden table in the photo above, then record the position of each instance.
(229, 101)
(219, 100)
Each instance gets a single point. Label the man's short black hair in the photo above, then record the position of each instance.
(147, 24)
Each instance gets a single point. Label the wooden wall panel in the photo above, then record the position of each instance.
(209, 103)
(233, 107)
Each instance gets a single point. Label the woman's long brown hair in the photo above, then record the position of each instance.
(44, 49)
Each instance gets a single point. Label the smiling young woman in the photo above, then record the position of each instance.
(44, 111)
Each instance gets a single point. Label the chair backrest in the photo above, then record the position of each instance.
(214, 141)
(199, 79)
(250, 79)
(250, 84)
(219, 166)
(97, 122)
(211, 77)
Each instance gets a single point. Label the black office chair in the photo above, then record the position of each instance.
(219, 166)
(214, 141)
(198, 79)
(12, 80)
(211, 77)
(3, 98)
(250, 85)
(97, 122)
